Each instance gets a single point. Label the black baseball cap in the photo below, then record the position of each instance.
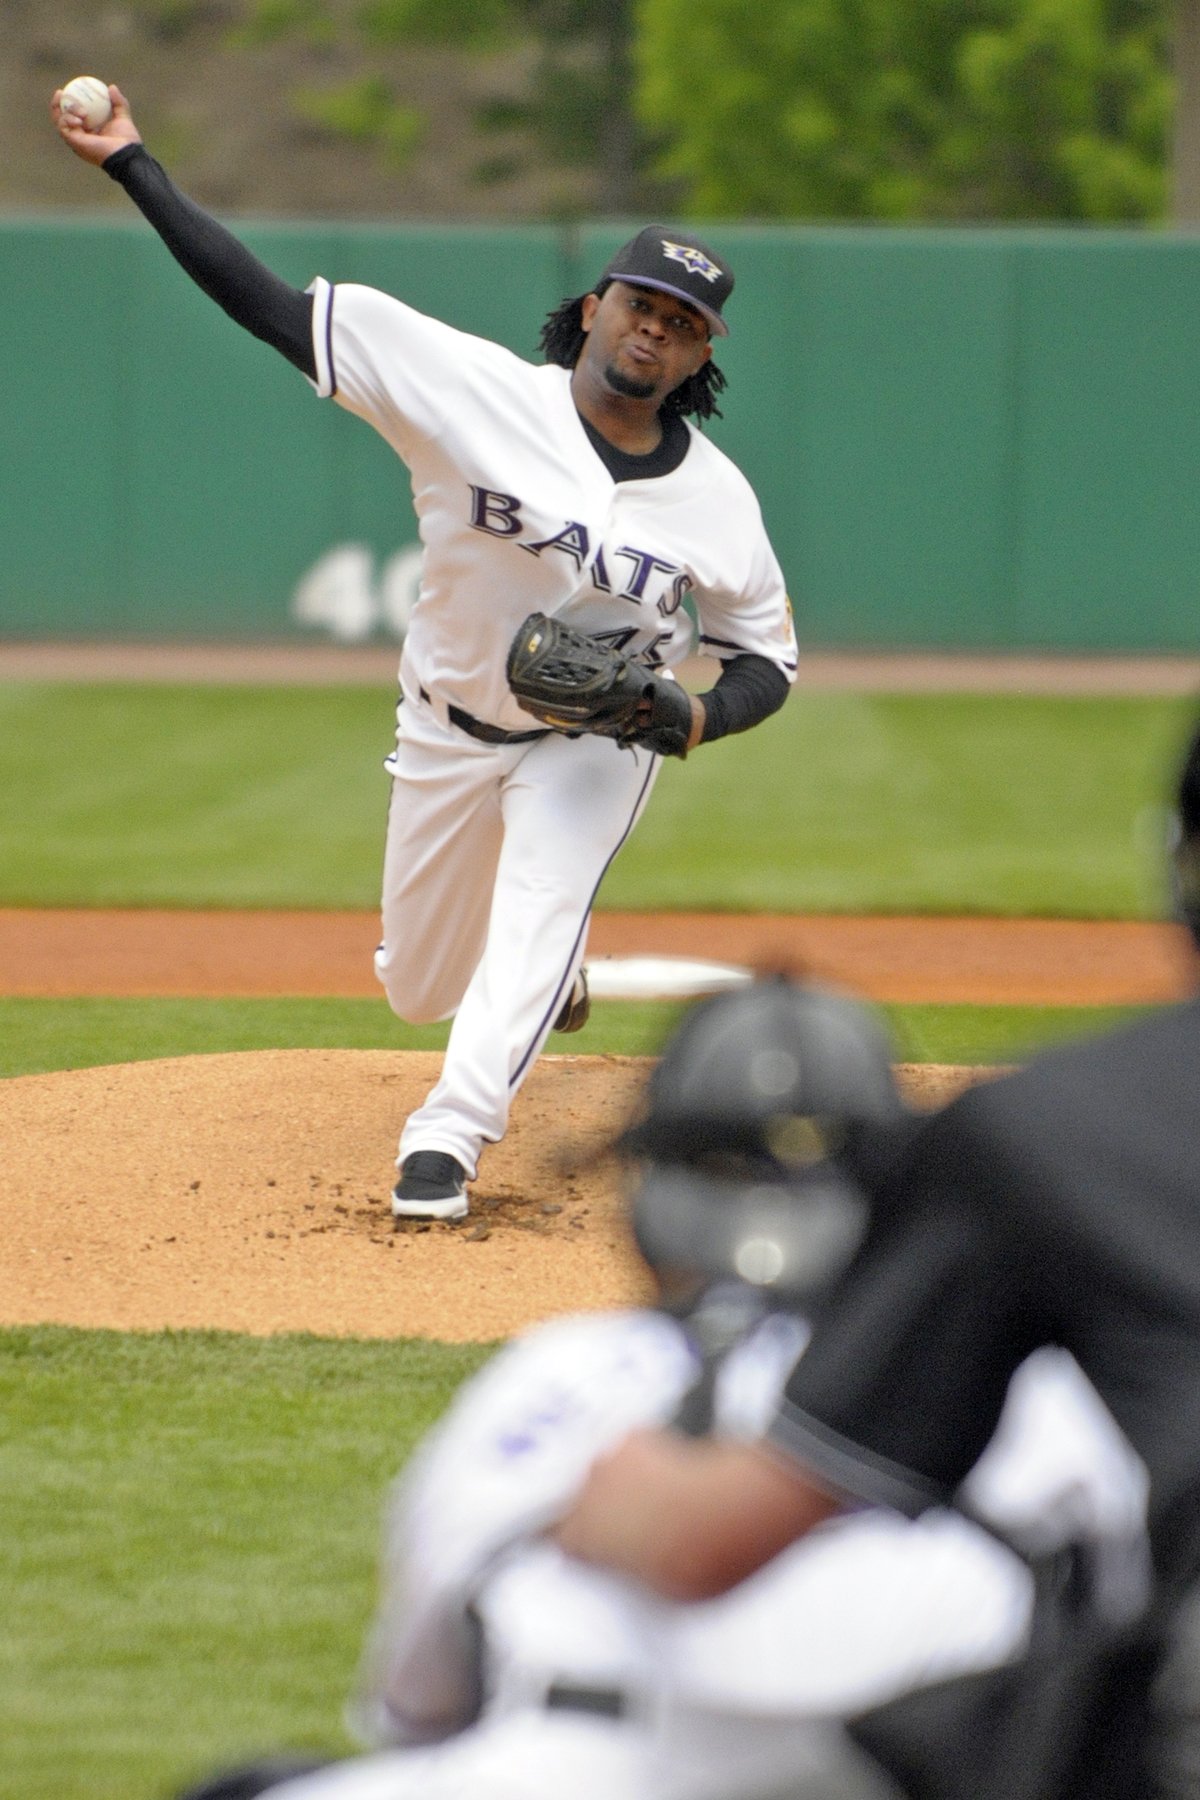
(677, 263)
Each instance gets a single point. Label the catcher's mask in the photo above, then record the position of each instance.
(748, 1115)
(1185, 841)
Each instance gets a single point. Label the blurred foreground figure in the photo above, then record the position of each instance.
(504, 1669)
(1057, 1206)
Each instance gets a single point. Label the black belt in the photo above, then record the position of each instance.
(489, 734)
(486, 734)
(601, 1702)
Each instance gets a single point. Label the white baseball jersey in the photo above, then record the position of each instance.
(517, 512)
(725, 1696)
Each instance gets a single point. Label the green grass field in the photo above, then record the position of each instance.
(190, 1525)
(37, 1036)
(191, 1519)
(166, 796)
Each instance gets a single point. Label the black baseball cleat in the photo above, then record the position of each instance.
(432, 1185)
(576, 1007)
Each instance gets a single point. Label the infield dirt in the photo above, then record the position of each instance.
(249, 1192)
(1033, 962)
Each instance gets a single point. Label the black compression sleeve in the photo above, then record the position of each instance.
(749, 689)
(279, 314)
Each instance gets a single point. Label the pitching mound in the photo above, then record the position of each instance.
(250, 1193)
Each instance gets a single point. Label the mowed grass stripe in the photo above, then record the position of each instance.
(122, 794)
(38, 1036)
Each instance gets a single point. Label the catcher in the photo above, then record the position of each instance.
(500, 1669)
(579, 490)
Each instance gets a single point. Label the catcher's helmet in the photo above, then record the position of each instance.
(748, 1115)
(1185, 848)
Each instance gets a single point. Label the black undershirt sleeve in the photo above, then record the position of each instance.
(749, 689)
(267, 306)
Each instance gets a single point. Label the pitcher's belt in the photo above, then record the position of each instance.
(486, 734)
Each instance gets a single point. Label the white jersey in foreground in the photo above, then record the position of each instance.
(704, 1701)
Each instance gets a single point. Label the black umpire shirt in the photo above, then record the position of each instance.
(1060, 1205)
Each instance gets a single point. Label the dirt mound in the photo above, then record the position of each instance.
(249, 1192)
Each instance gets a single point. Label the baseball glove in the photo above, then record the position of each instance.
(577, 683)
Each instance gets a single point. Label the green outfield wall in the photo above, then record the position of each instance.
(979, 438)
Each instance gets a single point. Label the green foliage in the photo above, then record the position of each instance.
(169, 20)
(365, 112)
(468, 24)
(998, 109)
(988, 109)
(270, 21)
(489, 22)
(571, 106)
(191, 1532)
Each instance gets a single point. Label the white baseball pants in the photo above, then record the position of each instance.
(493, 858)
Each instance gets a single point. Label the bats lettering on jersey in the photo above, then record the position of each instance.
(499, 514)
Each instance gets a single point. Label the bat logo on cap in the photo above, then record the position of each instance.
(691, 259)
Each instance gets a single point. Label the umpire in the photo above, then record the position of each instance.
(1058, 1205)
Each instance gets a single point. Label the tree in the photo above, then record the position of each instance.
(946, 110)
(575, 104)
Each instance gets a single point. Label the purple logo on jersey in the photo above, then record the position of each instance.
(521, 1440)
(496, 513)
(572, 540)
(499, 515)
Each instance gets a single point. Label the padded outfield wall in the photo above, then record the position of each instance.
(976, 438)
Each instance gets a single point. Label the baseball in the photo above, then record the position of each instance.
(86, 98)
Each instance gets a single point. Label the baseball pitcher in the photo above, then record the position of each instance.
(579, 492)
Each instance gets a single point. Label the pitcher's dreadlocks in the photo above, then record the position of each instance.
(563, 337)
